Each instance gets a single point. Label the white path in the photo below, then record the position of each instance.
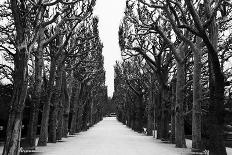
(110, 137)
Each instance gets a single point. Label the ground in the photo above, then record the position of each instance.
(110, 137)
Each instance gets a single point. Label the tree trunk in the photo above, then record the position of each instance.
(65, 125)
(196, 110)
(81, 112)
(63, 108)
(139, 114)
(12, 144)
(149, 114)
(44, 123)
(216, 84)
(13, 134)
(66, 103)
(79, 118)
(154, 111)
(54, 109)
(164, 115)
(46, 108)
(60, 122)
(77, 90)
(173, 86)
(20, 76)
(216, 80)
(216, 121)
(179, 117)
(149, 120)
(32, 128)
(81, 108)
(91, 111)
(85, 116)
(158, 116)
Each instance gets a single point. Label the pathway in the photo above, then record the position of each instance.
(110, 137)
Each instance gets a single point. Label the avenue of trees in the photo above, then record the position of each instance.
(175, 76)
(51, 60)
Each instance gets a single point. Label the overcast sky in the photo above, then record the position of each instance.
(110, 13)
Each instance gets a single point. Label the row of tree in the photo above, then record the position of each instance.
(53, 55)
(176, 71)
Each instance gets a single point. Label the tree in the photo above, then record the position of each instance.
(185, 28)
(23, 48)
(51, 44)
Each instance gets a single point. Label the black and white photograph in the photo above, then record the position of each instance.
(116, 77)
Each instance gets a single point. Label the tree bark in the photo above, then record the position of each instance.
(158, 115)
(79, 118)
(164, 114)
(65, 125)
(179, 117)
(154, 104)
(32, 128)
(75, 99)
(63, 109)
(196, 110)
(216, 84)
(57, 96)
(216, 111)
(173, 86)
(13, 135)
(139, 114)
(66, 103)
(46, 108)
(60, 122)
(20, 76)
(149, 115)
(154, 115)
(91, 111)
(86, 114)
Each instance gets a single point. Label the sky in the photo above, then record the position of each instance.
(110, 13)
